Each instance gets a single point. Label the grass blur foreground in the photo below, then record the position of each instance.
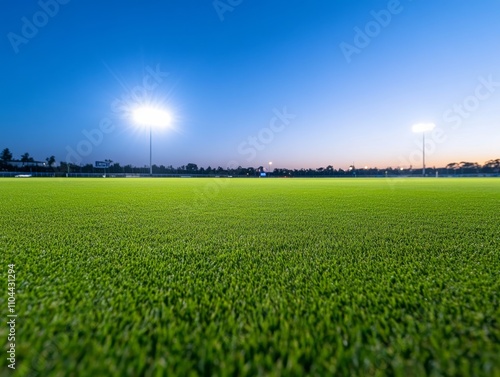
(141, 277)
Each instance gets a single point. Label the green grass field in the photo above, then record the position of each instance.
(226, 277)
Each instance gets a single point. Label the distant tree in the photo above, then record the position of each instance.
(87, 168)
(128, 169)
(50, 161)
(492, 165)
(192, 168)
(115, 168)
(469, 166)
(26, 158)
(64, 167)
(6, 155)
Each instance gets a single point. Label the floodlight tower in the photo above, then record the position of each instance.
(423, 128)
(270, 164)
(151, 117)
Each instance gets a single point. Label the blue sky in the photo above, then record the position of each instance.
(302, 84)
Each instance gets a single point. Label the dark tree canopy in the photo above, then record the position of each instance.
(6, 155)
(50, 161)
(27, 158)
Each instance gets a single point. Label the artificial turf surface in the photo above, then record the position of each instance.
(278, 277)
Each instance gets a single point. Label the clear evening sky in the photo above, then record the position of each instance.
(300, 83)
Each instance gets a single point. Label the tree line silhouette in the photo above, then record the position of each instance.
(26, 163)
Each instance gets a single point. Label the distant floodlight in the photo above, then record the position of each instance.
(150, 116)
(423, 127)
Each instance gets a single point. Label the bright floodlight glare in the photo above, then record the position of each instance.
(423, 127)
(149, 116)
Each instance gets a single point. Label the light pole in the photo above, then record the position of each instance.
(151, 117)
(150, 150)
(270, 163)
(423, 128)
